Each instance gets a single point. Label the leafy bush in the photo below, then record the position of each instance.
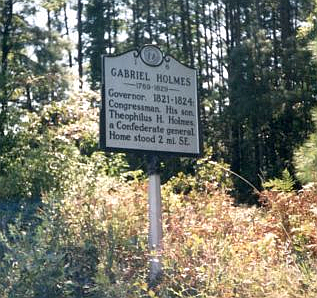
(305, 158)
(49, 185)
(286, 183)
(39, 261)
(42, 152)
(32, 262)
(208, 176)
(74, 239)
(32, 163)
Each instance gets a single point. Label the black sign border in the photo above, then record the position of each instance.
(102, 124)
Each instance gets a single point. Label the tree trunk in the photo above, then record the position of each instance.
(149, 20)
(166, 25)
(184, 31)
(6, 48)
(115, 26)
(70, 58)
(80, 43)
(206, 43)
(189, 35)
(286, 33)
(198, 34)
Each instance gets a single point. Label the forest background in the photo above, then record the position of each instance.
(65, 230)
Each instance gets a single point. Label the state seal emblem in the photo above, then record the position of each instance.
(151, 55)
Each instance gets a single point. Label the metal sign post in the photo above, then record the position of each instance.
(150, 104)
(155, 218)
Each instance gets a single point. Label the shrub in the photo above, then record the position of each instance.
(42, 152)
(305, 157)
(284, 184)
(208, 176)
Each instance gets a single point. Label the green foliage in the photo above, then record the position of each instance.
(285, 184)
(31, 66)
(39, 260)
(182, 183)
(60, 247)
(102, 19)
(208, 175)
(32, 267)
(35, 163)
(45, 152)
(209, 172)
(305, 157)
(29, 161)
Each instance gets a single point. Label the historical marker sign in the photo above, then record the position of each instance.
(149, 103)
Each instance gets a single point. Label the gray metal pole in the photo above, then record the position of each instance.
(155, 217)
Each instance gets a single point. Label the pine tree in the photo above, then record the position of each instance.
(7, 28)
(101, 26)
(80, 43)
(256, 79)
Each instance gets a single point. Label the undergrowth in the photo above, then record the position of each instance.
(92, 242)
